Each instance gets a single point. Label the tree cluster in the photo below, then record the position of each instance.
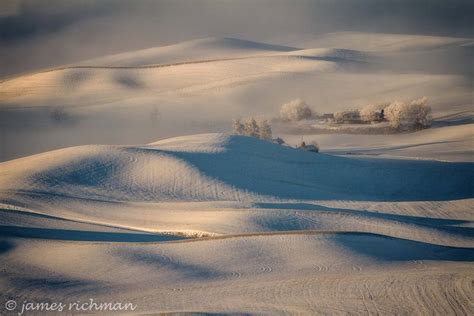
(252, 127)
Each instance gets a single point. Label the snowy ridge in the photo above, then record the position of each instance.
(204, 48)
(256, 186)
(213, 167)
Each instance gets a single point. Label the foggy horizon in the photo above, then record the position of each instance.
(43, 34)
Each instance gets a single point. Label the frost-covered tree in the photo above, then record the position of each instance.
(392, 113)
(238, 127)
(251, 127)
(265, 130)
(371, 112)
(295, 110)
(405, 116)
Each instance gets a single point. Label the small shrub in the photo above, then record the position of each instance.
(346, 116)
(312, 147)
(279, 141)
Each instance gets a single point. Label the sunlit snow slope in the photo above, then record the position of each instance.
(212, 223)
(284, 228)
(140, 96)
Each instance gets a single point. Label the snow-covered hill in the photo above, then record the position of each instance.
(199, 49)
(214, 223)
(148, 93)
(215, 167)
(280, 224)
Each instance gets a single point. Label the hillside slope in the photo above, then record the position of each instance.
(193, 176)
(143, 95)
(205, 48)
(214, 223)
(213, 167)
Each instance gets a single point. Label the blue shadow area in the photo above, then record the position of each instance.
(78, 235)
(391, 249)
(443, 225)
(186, 270)
(268, 169)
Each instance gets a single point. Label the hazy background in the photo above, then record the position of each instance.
(37, 34)
(40, 34)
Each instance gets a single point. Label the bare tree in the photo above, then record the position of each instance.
(238, 127)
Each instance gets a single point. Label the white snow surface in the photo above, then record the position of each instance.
(233, 224)
(215, 223)
(199, 86)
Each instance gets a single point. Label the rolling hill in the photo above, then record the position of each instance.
(93, 207)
